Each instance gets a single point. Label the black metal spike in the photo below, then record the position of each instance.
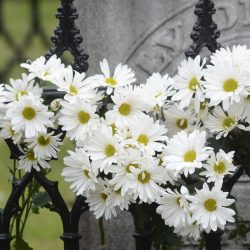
(67, 37)
(205, 31)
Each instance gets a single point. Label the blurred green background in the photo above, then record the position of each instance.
(43, 230)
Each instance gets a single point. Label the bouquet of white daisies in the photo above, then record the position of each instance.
(165, 142)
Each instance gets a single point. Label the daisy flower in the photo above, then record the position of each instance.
(73, 84)
(148, 134)
(174, 207)
(157, 89)
(221, 123)
(49, 70)
(21, 87)
(28, 161)
(186, 152)
(2, 96)
(243, 107)
(224, 82)
(192, 230)
(127, 105)
(102, 148)
(210, 208)
(129, 158)
(177, 120)
(28, 114)
(7, 132)
(218, 165)
(45, 145)
(99, 200)
(122, 76)
(79, 172)
(78, 119)
(144, 182)
(188, 82)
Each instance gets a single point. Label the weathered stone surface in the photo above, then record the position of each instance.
(151, 36)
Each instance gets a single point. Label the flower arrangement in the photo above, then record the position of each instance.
(160, 143)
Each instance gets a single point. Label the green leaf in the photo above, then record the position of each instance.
(22, 245)
(41, 199)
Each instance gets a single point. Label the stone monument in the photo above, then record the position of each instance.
(151, 36)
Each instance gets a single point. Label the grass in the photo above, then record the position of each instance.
(43, 230)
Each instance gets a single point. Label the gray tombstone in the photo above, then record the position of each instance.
(151, 36)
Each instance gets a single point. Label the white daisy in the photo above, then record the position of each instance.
(218, 165)
(99, 200)
(148, 134)
(221, 123)
(144, 182)
(49, 70)
(188, 82)
(22, 87)
(2, 96)
(28, 114)
(45, 145)
(28, 161)
(209, 208)
(177, 120)
(79, 172)
(225, 82)
(7, 132)
(129, 158)
(157, 89)
(192, 230)
(78, 119)
(74, 85)
(186, 152)
(122, 76)
(127, 105)
(174, 207)
(102, 148)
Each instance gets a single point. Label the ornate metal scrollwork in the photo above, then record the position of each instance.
(205, 31)
(67, 37)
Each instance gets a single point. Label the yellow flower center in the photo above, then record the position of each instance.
(182, 123)
(124, 109)
(230, 85)
(219, 167)
(22, 92)
(178, 201)
(86, 173)
(143, 139)
(190, 156)
(111, 81)
(72, 90)
(144, 177)
(30, 155)
(202, 105)
(131, 165)
(113, 128)
(118, 191)
(109, 150)
(210, 205)
(46, 73)
(83, 117)
(193, 83)
(228, 122)
(42, 140)
(104, 196)
(29, 113)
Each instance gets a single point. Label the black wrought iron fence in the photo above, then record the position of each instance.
(67, 37)
(36, 29)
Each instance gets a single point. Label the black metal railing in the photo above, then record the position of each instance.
(67, 37)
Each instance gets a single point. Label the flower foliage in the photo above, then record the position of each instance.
(137, 143)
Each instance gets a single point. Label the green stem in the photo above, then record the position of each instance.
(101, 229)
